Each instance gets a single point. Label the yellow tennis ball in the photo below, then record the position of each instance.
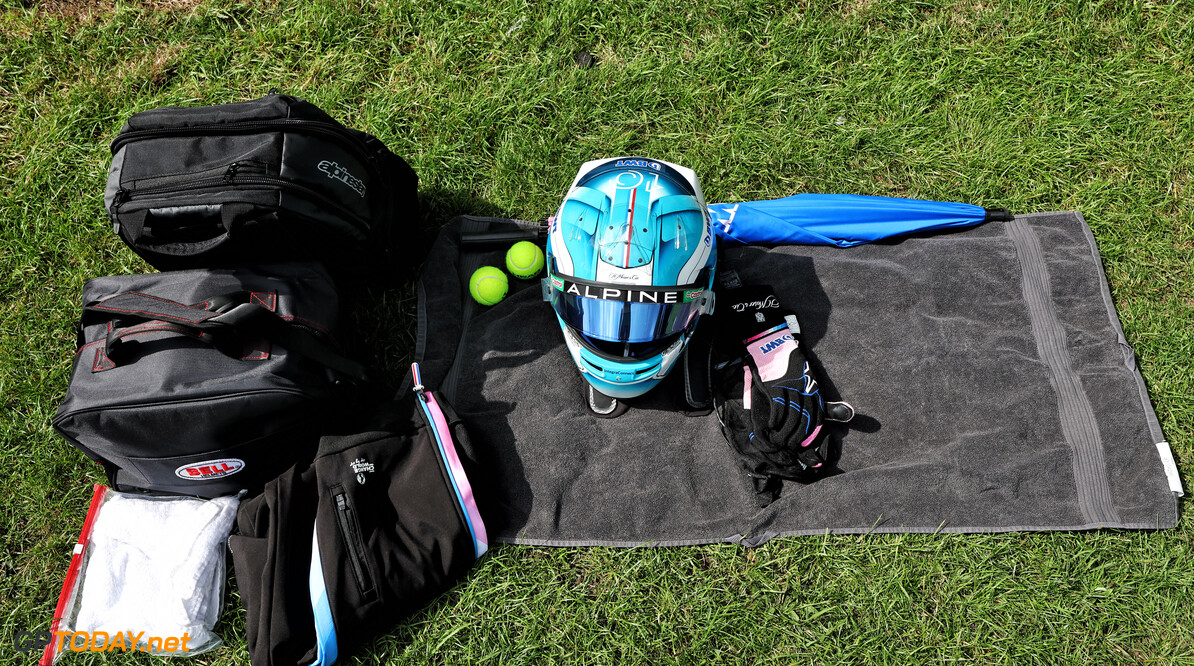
(524, 260)
(488, 285)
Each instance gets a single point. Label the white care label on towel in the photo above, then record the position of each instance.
(1175, 479)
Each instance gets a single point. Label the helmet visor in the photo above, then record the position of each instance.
(622, 313)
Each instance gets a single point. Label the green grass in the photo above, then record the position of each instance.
(1033, 105)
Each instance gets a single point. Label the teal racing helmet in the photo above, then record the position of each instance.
(630, 260)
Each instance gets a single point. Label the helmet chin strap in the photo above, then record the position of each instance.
(603, 406)
(698, 373)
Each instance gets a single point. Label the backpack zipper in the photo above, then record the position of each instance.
(249, 126)
(232, 177)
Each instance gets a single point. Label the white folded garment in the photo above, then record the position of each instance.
(155, 565)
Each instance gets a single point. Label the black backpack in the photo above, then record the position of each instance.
(272, 179)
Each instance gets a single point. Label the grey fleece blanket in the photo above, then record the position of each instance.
(994, 387)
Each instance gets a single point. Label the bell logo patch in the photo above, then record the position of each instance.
(210, 469)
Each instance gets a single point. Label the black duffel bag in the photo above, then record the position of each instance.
(272, 179)
(333, 554)
(205, 382)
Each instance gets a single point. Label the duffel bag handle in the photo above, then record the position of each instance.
(132, 227)
(223, 325)
(114, 342)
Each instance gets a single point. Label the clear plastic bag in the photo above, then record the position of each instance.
(147, 575)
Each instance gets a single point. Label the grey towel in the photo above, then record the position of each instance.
(995, 389)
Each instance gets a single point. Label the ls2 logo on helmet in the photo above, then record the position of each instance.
(210, 469)
(337, 172)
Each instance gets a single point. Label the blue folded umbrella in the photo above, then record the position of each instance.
(843, 220)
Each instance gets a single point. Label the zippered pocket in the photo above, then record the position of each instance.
(350, 534)
(222, 172)
(236, 174)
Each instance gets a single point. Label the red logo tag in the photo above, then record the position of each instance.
(210, 469)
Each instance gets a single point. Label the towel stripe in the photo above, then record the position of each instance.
(1079, 426)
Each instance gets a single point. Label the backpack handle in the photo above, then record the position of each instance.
(163, 228)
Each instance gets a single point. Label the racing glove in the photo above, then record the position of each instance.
(769, 402)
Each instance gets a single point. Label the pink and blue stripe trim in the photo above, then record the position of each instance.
(447, 451)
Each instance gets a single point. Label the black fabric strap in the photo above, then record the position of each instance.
(253, 319)
(143, 306)
(245, 320)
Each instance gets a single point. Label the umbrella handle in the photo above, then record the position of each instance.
(997, 215)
